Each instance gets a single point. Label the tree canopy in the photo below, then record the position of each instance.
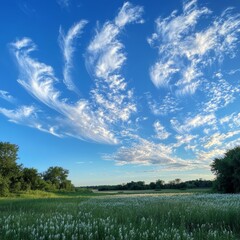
(8, 158)
(14, 177)
(58, 178)
(227, 171)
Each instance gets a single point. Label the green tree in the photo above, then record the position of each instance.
(152, 185)
(57, 176)
(8, 158)
(31, 179)
(10, 171)
(159, 184)
(227, 171)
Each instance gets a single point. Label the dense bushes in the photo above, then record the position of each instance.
(14, 177)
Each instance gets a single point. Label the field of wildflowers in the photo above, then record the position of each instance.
(147, 216)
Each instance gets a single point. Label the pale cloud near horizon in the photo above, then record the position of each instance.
(145, 152)
(142, 152)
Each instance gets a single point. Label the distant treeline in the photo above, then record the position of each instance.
(158, 185)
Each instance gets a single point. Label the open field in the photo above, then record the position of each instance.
(193, 190)
(122, 216)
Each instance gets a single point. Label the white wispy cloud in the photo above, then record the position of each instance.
(208, 156)
(29, 116)
(219, 95)
(190, 123)
(161, 132)
(231, 121)
(108, 115)
(184, 139)
(64, 3)
(105, 58)
(68, 48)
(217, 151)
(218, 138)
(168, 104)
(20, 114)
(110, 101)
(234, 71)
(226, 119)
(77, 120)
(161, 73)
(6, 96)
(184, 52)
(143, 152)
(236, 120)
(129, 14)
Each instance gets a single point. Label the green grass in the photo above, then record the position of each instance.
(36, 194)
(166, 215)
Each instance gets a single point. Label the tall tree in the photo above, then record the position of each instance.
(57, 176)
(8, 158)
(227, 170)
(10, 171)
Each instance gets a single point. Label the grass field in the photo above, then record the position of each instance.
(164, 215)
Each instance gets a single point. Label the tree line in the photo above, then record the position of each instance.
(157, 185)
(15, 177)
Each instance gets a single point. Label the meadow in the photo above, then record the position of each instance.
(163, 215)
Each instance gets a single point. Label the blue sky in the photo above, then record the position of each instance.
(117, 91)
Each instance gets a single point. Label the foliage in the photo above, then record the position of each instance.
(227, 170)
(57, 177)
(31, 179)
(15, 178)
(10, 171)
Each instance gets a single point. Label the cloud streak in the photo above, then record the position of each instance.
(190, 123)
(6, 96)
(142, 152)
(68, 48)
